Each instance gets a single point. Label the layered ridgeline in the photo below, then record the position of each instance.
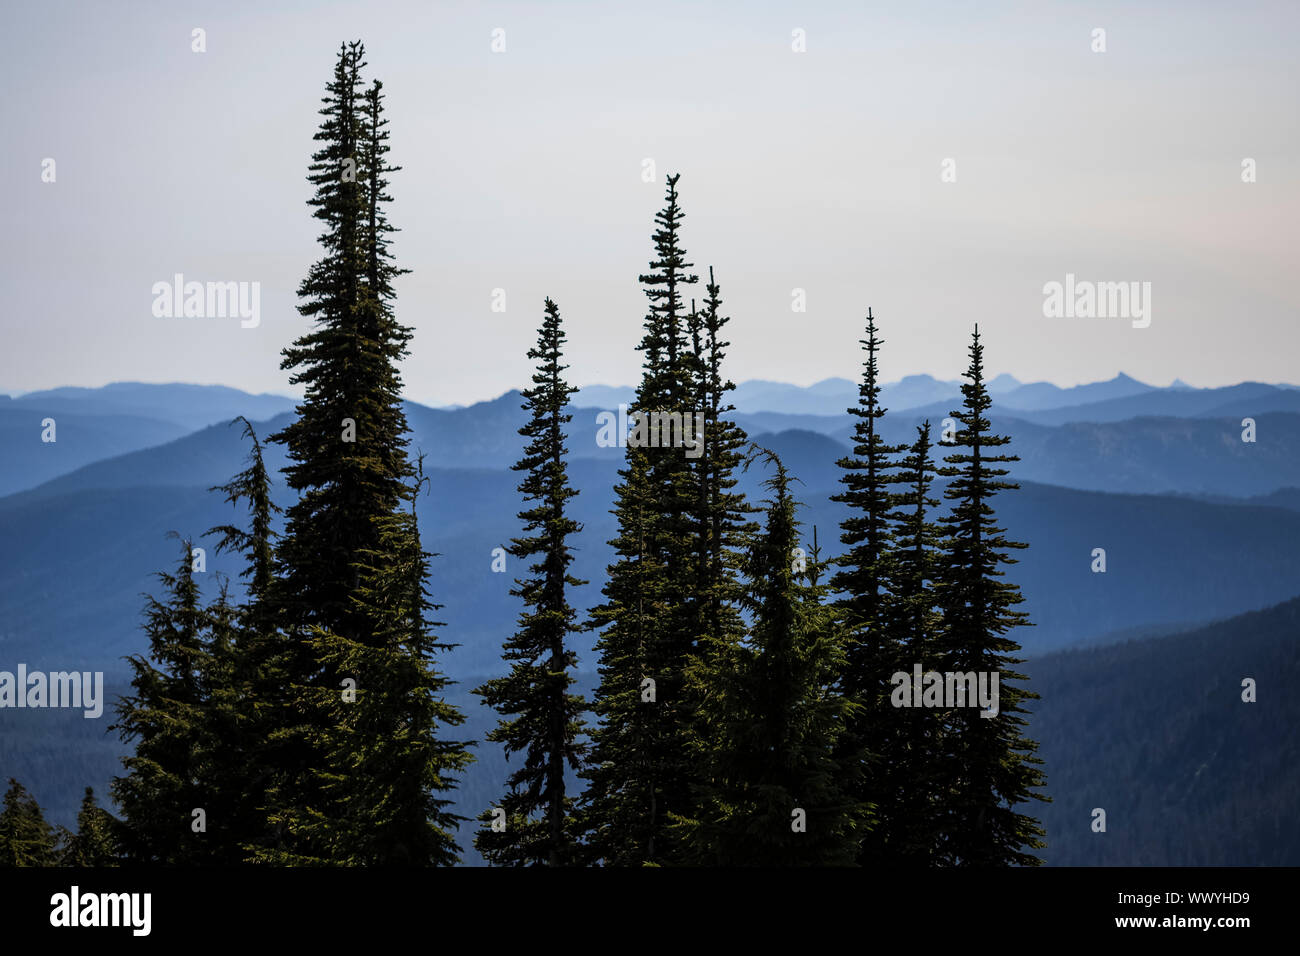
(749, 681)
(299, 719)
(1172, 560)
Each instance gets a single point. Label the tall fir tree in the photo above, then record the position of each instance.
(908, 803)
(256, 544)
(989, 764)
(724, 526)
(639, 772)
(861, 580)
(869, 473)
(246, 682)
(26, 839)
(389, 769)
(621, 811)
(348, 463)
(347, 446)
(771, 791)
(379, 265)
(542, 718)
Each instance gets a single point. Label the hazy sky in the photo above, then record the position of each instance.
(818, 170)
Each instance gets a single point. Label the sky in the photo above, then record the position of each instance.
(940, 163)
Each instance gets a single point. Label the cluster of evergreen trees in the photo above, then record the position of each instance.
(26, 839)
(743, 712)
(305, 725)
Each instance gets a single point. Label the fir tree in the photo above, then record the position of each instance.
(244, 678)
(347, 446)
(621, 813)
(95, 842)
(861, 580)
(25, 838)
(388, 770)
(380, 269)
(348, 463)
(166, 718)
(868, 475)
(907, 801)
(256, 544)
(988, 763)
(724, 527)
(771, 792)
(226, 773)
(544, 718)
(639, 771)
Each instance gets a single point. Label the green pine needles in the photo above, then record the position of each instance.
(747, 708)
(543, 720)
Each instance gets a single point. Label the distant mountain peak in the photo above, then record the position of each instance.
(1125, 379)
(831, 385)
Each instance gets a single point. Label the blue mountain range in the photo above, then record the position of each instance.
(1199, 528)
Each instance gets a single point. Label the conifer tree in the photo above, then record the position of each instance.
(771, 792)
(724, 527)
(26, 839)
(908, 797)
(347, 445)
(868, 475)
(543, 720)
(256, 544)
(861, 580)
(165, 717)
(639, 772)
(989, 764)
(225, 781)
(621, 810)
(380, 269)
(244, 677)
(348, 463)
(95, 842)
(388, 769)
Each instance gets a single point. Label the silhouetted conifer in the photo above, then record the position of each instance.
(542, 719)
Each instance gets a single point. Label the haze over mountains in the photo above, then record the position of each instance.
(95, 424)
(1198, 525)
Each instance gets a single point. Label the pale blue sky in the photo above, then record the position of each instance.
(818, 170)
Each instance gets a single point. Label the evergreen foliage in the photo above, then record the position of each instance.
(543, 720)
(988, 764)
(861, 581)
(639, 773)
(25, 838)
(771, 791)
(388, 768)
(165, 717)
(96, 840)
